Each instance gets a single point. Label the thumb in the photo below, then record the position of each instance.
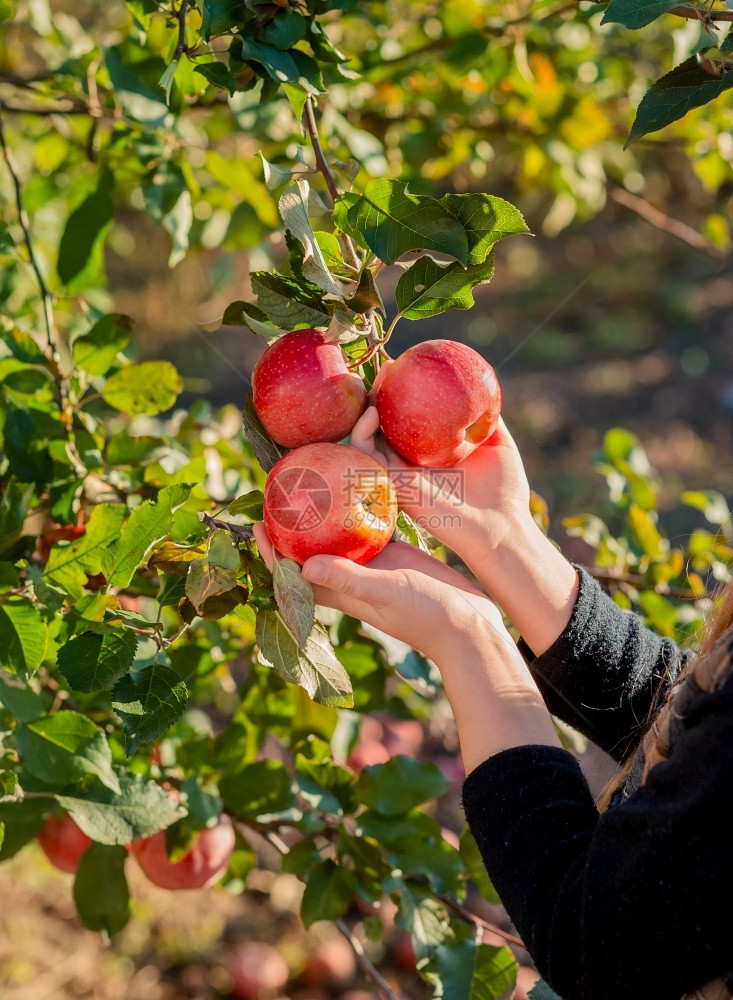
(343, 576)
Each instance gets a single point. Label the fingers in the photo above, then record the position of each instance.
(386, 365)
(363, 431)
(343, 578)
(265, 546)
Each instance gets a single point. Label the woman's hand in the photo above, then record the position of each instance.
(403, 592)
(417, 599)
(480, 509)
(474, 504)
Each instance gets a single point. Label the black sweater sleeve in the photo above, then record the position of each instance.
(633, 903)
(606, 672)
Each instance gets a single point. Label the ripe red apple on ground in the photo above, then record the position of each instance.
(63, 842)
(258, 971)
(202, 865)
(332, 499)
(303, 392)
(438, 402)
(331, 964)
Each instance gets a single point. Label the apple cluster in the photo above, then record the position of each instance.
(437, 403)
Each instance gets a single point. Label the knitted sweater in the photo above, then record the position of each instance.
(632, 903)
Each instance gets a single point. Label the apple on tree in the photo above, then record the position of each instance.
(438, 402)
(303, 391)
(63, 842)
(329, 499)
(200, 867)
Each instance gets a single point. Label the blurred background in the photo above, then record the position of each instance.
(618, 311)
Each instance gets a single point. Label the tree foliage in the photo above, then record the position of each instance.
(154, 671)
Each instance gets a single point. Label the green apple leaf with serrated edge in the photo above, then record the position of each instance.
(393, 221)
(635, 13)
(246, 314)
(148, 524)
(315, 667)
(265, 449)
(150, 387)
(686, 87)
(486, 219)
(293, 207)
(294, 598)
(148, 702)
(249, 505)
(23, 635)
(429, 288)
(64, 748)
(94, 662)
(328, 892)
(288, 303)
(140, 809)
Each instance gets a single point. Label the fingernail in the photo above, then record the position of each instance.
(314, 572)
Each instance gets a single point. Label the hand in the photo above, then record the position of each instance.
(469, 506)
(402, 591)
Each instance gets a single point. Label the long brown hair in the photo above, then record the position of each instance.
(705, 670)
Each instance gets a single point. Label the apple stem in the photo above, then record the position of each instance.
(352, 258)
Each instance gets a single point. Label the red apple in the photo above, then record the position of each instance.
(438, 402)
(332, 499)
(202, 865)
(303, 392)
(331, 964)
(63, 842)
(257, 970)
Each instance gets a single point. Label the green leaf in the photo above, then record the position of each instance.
(635, 13)
(140, 101)
(280, 66)
(414, 844)
(486, 219)
(687, 86)
(220, 16)
(263, 788)
(424, 917)
(23, 635)
(541, 991)
(464, 970)
(475, 868)
(150, 387)
(100, 889)
(63, 748)
(219, 75)
(206, 580)
(148, 524)
(124, 449)
(265, 449)
(293, 208)
(93, 662)
(712, 504)
(294, 598)
(328, 893)
(23, 820)
(20, 699)
(245, 314)
(393, 221)
(326, 787)
(14, 502)
(9, 579)
(366, 668)
(148, 702)
(140, 809)
(289, 303)
(399, 785)
(285, 29)
(249, 505)
(168, 202)
(69, 565)
(315, 667)
(85, 230)
(97, 350)
(429, 288)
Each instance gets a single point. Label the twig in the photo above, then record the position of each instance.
(25, 226)
(310, 119)
(361, 957)
(369, 969)
(180, 15)
(53, 355)
(242, 532)
(471, 918)
(661, 221)
(635, 580)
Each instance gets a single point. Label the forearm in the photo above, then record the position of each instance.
(494, 699)
(529, 579)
